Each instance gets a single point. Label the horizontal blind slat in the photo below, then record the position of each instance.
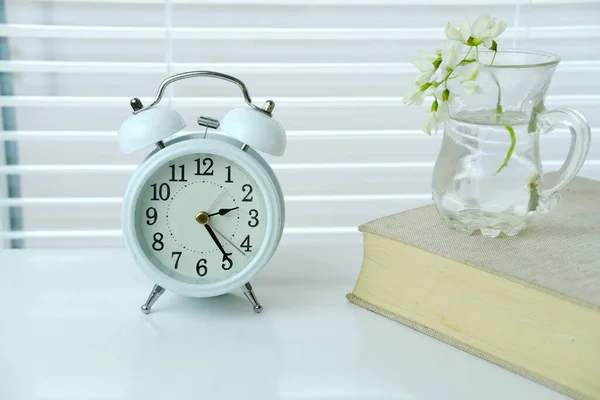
(70, 234)
(329, 2)
(212, 102)
(136, 68)
(232, 68)
(277, 34)
(87, 169)
(95, 201)
(112, 135)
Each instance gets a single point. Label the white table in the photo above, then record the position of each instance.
(71, 328)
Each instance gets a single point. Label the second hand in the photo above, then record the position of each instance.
(229, 241)
(216, 198)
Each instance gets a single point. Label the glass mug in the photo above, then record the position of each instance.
(470, 190)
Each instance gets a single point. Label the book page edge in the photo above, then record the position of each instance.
(356, 300)
(511, 278)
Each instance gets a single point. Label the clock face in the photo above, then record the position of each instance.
(200, 218)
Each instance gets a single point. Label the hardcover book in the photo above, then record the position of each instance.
(528, 303)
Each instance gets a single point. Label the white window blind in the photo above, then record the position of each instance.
(335, 68)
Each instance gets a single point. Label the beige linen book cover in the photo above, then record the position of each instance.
(529, 303)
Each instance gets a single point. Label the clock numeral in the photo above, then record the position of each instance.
(158, 245)
(253, 223)
(201, 269)
(152, 216)
(174, 173)
(206, 162)
(246, 244)
(247, 188)
(227, 262)
(162, 192)
(178, 254)
(228, 168)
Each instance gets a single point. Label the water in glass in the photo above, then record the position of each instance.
(470, 190)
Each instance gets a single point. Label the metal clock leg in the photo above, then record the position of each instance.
(157, 291)
(249, 293)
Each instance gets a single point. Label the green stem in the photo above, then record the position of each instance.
(468, 52)
(445, 80)
(499, 110)
(477, 53)
(494, 57)
(513, 143)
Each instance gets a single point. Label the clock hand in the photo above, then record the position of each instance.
(223, 211)
(216, 240)
(229, 241)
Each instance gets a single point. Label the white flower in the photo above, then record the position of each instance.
(424, 78)
(439, 112)
(424, 61)
(467, 75)
(414, 96)
(451, 55)
(468, 72)
(430, 125)
(452, 33)
(484, 30)
(487, 29)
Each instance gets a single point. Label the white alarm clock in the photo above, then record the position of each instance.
(204, 212)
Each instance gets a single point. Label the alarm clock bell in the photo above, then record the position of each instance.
(149, 127)
(253, 126)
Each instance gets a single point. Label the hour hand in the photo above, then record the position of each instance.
(223, 211)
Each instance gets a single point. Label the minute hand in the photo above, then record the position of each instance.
(214, 237)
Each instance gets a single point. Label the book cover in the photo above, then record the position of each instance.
(529, 303)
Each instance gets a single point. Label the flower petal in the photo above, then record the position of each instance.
(424, 78)
(422, 65)
(424, 61)
(465, 29)
(452, 33)
(498, 29)
(482, 25)
(443, 112)
(468, 72)
(413, 96)
(451, 55)
(430, 124)
(426, 55)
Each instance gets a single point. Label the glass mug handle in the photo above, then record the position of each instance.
(580, 145)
